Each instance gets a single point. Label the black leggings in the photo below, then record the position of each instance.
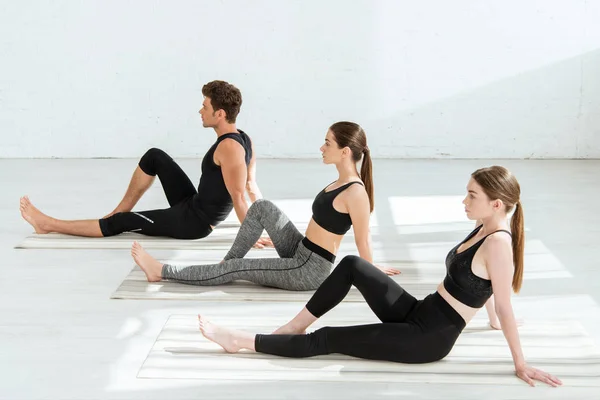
(412, 331)
(179, 221)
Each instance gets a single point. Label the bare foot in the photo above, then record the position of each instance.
(226, 338)
(151, 267)
(35, 217)
(287, 329)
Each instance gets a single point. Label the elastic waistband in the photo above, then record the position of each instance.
(448, 311)
(315, 248)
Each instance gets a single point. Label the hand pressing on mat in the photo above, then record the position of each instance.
(151, 267)
(530, 375)
(388, 270)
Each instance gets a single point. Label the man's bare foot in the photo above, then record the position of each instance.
(287, 329)
(226, 338)
(35, 217)
(151, 267)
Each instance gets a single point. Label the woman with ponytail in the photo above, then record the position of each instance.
(489, 260)
(305, 260)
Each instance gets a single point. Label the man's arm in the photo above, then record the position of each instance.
(230, 155)
(251, 184)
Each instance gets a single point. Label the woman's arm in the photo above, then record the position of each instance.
(357, 203)
(359, 209)
(490, 307)
(498, 258)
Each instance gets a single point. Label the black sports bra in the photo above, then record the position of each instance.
(328, 217)
(460, 281)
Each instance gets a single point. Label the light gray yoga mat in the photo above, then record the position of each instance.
(135, 286)
(418, 277)
(480, 356)
(219, 239)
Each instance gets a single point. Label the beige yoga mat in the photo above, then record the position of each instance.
(480, 356)
(298, 210)
(419, 280)
(418, 277)
(219, 239)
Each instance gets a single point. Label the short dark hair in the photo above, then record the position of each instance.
(224, 96)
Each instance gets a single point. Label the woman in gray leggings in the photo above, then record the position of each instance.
(305, 260)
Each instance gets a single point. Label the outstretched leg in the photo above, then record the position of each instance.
(301, 273)
(398, 342)
(43, 223)
(178, 222)
(305, 271)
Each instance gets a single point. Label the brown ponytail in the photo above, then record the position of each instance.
(351, 135)
(366, 175)
(498, 183)
(518, 245)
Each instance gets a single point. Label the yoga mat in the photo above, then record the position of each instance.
(480, 356)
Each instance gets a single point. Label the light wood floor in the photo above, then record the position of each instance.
(62, 337)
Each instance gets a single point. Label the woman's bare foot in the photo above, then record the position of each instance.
(151, 267)
(35, 217)
(287, 329)
(226, 338)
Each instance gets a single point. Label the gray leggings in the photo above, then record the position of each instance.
(303, 265)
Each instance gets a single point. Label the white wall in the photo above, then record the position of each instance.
(436, 78)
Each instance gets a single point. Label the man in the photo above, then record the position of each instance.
(228, 170)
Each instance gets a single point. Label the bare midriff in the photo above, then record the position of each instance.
(466, 312)
(322, 238)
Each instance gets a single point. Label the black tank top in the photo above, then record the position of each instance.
(328, 217)
(460, 281)
(213, 202)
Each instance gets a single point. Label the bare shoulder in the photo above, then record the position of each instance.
(498, 243)
(356, 197)
(229, 153)
(356, 191)
(229, 144)
(229, 149)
